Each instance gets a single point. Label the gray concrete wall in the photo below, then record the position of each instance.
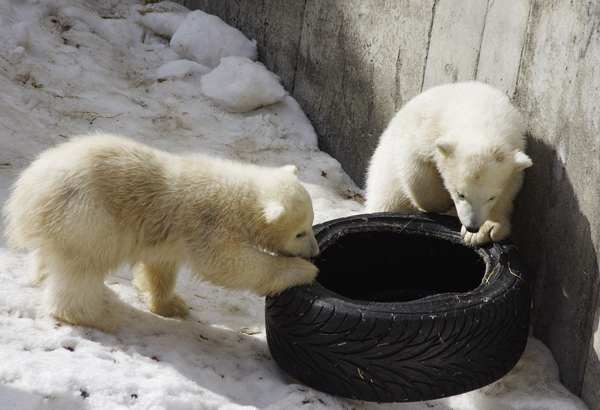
(351, 64)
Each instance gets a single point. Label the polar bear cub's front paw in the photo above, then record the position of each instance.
(301, 271)
(489, 231)
(296, 271)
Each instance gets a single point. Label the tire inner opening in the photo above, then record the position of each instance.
(397, 267)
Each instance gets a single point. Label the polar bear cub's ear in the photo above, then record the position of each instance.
(446, 145)
(290, 168)
(522, 161)
(273, 211)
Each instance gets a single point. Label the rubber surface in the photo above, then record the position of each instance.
(402, 310)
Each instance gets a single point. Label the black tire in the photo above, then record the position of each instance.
(402, 310)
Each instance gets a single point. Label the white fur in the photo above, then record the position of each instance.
(456, 144)
(92, 204)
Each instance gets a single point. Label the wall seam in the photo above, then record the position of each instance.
(428, 43)
(298, 49)
(526, 44)
(476, 68)
(398, 100)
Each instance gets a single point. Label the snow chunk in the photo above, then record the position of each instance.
(16, 52)
(180, 69)
(163, 18)
(206, 39)
(20, 33)
(241, 85)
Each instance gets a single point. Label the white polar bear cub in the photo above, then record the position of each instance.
(455, 144)
(97, 202)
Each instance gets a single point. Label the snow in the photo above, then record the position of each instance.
(72, 66)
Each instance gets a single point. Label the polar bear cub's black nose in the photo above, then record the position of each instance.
(472, 229)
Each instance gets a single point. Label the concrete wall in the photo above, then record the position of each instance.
(351, 64)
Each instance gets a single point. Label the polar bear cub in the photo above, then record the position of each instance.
(97, 202)
(456, 145)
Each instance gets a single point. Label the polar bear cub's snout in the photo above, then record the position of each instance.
(299, 241)
(473, 210)
(309, 248)
(478, 179)
(305, 240)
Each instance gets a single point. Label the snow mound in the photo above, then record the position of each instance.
(240, 85)
(206, 39)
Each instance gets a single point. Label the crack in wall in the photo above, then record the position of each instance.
(398, 101)
(297, 53)
(428, 43)
(526, 44)
(478, 56)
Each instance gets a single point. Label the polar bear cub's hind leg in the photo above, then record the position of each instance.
(74, 291)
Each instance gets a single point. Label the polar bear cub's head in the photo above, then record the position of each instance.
(288, 216)
(476, 176)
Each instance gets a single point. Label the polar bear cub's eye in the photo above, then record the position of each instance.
(491, 199)
(460, 195)
(301, 235)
